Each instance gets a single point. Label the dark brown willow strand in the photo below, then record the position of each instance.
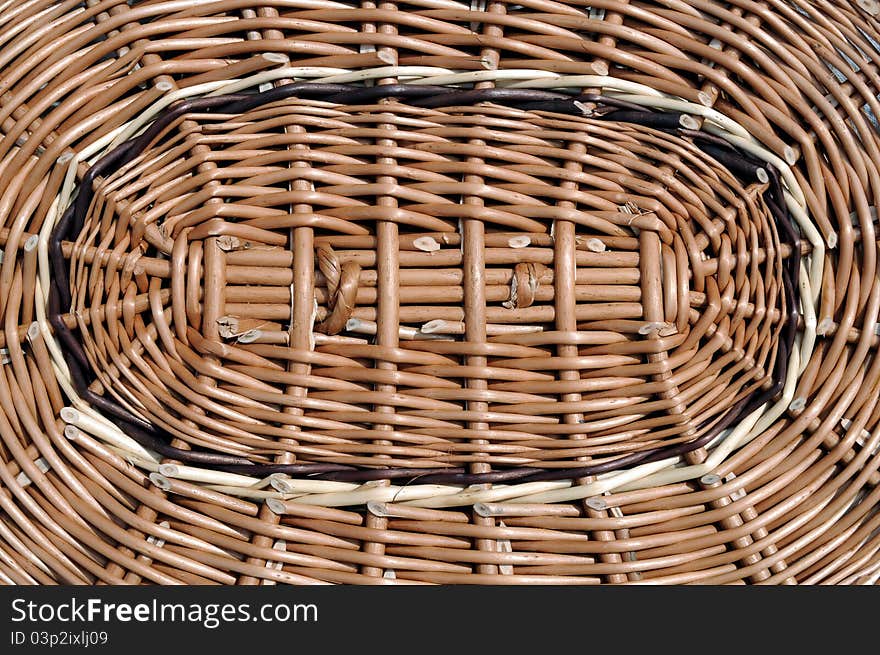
(153, 437)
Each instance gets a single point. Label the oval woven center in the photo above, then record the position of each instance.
(568, 288)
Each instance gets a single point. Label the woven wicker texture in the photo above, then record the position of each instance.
(494, 293)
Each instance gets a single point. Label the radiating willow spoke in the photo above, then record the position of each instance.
(717, 163)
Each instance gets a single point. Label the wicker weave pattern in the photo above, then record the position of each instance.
(652, 365)
(401, 261)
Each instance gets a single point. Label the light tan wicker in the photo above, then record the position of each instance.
(493, 293)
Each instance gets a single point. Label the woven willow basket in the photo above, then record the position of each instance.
(535, 292)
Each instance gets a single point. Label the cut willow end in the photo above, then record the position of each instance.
(426, 244)
(276, 506)
(160, 481)
(276, 57)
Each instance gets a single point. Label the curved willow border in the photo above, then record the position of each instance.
(663, 471)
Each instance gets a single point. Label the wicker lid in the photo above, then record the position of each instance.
(510, 292)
